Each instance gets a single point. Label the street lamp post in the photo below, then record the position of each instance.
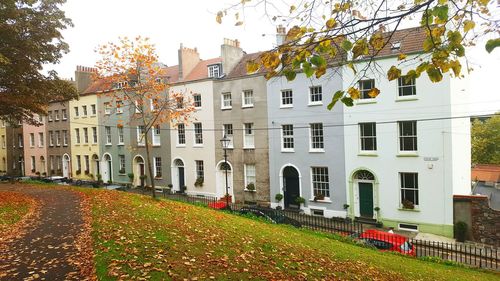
(225, 143)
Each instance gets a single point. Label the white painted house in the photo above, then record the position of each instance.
(407, 151)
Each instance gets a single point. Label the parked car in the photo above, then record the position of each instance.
(386, 241)
(271, 215)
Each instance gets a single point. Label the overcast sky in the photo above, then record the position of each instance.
(192, 22)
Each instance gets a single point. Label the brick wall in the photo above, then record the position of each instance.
(483, 222)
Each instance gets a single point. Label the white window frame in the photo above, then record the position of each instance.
(77, 136)
(248, 175)
(51, 138)
(283, 98)
(402, 86)
(20, 140)
(156, 135)
(200, 169)
(119, 107)
(85, 112)
(415, 189)
(198, 133)
(122, 163)
(157, 168)
(137, 107)
(226, 103)
(64, 114)
(75, 110)
(85, 135)
(33, 163)
(94, 135)
(49, 116)
(401, 137)
(363, 93)
(56, 115)
(228, 132)
(247, 101)
(287, 136)
(79, 163)
(4, 141)
(248, 136)
(181, 134)
(107, 108)
(362, 137)
(107, 133)
(140, 136)
(93, 109)
(318, 180)
(313, 136)
(58, 138)
(32, 139)
(214, 70)
(65, 138)
(121, 138)
(195, 102)
(86, 158)
(316, 91)
(41, 141)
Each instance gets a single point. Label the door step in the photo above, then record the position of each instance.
(366, 220)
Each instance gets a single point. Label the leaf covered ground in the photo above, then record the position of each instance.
(13, 207)
(138, 238)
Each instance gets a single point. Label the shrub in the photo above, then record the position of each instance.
(87, 172)
(78, 172)
(407, 204)
(130, 176)
(300, 200)
(460, 231)
(278, 197)
(319, 197)
(199, 182)
(251, 186)
(170, 185)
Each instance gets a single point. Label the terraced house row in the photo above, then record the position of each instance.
(398, 158)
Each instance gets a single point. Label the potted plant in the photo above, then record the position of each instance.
(90, 176)
(44, 174)
(78, 172)
(87, 172)
(346, 206)
(33, 170)
(121, 171)
(199, 182)
(250, 186)
(319, 197)
(143, 180)
(407, 204)
(37, 174)
(278, 197)
(300, 200)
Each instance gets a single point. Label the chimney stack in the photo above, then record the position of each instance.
(188, 59)
(231, 54)
(280, 35)
(83, 77)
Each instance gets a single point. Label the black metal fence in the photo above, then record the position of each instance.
(468, 254)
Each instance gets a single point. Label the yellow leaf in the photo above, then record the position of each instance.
(468, 25)
(373, 93)
(393, 73)
(402, 56)
(238, 23)
(331, 23)
(219, 16)
(252, 67)
(292, 8)
(320, 71)
(377, 41)
(353, 93)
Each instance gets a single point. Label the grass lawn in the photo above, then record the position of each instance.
(137, 237)
(13, 207)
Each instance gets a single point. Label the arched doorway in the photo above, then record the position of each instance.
(107, 168)
(291, 186)
(139, 170)
(222, 167)
(65, 167)
(364, 194)
(95, 165)
(179, 182)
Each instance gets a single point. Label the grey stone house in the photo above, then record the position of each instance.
(58, 139)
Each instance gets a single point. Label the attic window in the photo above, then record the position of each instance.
(120, 85)
(214, 70)
(396, 46)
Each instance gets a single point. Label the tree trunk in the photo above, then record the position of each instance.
(150, 169)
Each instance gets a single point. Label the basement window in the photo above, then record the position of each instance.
(317, 212)
(408, 227)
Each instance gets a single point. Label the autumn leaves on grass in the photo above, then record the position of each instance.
(15, 209)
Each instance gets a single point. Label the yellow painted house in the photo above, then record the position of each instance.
(84, 139)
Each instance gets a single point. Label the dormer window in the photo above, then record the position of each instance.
(395, 46)
(121, 85)
(214, 70)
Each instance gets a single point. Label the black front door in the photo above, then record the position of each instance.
(365, 199)
(291, 187)
(181, 179)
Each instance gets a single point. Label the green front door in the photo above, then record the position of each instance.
(366, 199)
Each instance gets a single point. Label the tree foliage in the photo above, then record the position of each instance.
(130, 75)
(323, 34)
(30, 37)
(485, 141)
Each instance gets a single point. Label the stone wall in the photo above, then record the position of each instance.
(483, 222)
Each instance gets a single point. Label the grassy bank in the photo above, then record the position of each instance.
(13, 207)
(136, 236)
